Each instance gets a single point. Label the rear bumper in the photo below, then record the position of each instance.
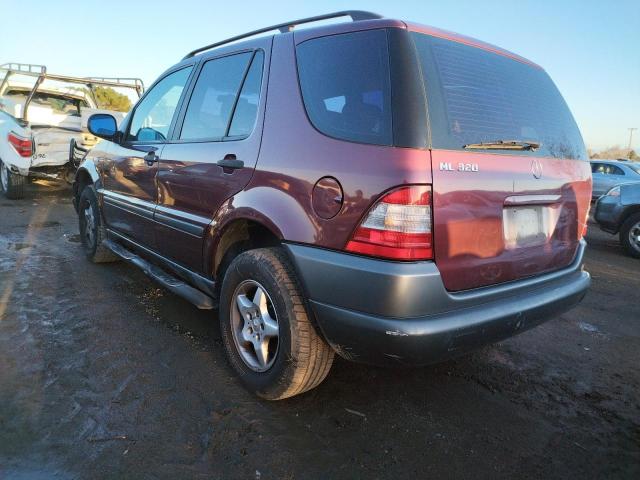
(380, 312)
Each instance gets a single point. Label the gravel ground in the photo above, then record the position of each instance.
(105, 375)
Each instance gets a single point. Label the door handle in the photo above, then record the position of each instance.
(150, 158)
(230, 162)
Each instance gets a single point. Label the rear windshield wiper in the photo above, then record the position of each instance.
(504, 145)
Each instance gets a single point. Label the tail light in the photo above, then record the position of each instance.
(22, 145)
(397, 227)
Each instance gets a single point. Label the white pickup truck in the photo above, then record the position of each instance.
(43, 121)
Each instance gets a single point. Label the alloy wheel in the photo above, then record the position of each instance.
(254, 325)
(4, 177)
(89, 225)
(634, 236)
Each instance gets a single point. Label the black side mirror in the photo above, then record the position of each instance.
(102, 125)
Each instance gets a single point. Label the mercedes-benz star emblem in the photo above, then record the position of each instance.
(536, 168)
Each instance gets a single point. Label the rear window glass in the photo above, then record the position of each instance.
(57, 103)
(635, 168)
(478, 96)
(346, 87)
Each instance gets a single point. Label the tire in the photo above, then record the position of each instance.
(631, 228)
(92, 238)
(12, 184)
(299, 359)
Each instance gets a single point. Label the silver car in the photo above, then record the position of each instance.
(609, 173)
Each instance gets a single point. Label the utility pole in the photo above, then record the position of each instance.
(630, 138)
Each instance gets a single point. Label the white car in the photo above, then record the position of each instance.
(43, 122)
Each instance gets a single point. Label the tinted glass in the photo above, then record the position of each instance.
(58, 103)
(246, 110)
(613, 170)
(478, 96)
(152, 116)
(346, 87)
(213, 98)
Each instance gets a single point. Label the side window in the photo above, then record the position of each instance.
(213, 98)
(244, 116)
(596, 168)
(346, 85)
(152, 116)
(615, 170)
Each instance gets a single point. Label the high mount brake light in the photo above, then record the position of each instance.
(22, 145)
(397, 227)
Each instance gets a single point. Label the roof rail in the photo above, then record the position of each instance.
(356, 15)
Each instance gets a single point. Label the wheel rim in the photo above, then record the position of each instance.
(254, 325)
(634, 236)
(89, 225)
(4, 177)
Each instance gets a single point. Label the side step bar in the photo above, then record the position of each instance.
(168, 281)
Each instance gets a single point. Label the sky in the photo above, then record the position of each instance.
(590, 48)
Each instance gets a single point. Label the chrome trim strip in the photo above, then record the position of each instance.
(179, 225)
(532, 199)
(178, 220)
(129, 207)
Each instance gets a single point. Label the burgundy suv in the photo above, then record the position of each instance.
(386, 191)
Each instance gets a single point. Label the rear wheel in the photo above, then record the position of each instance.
(12, 183)
(92, 231)
(269, 340)
(630, 235)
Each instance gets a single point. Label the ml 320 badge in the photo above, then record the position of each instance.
(460, 167)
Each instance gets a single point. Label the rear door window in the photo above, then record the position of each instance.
(214, 97)
(478, 96)
(346, 86)
(246, 111)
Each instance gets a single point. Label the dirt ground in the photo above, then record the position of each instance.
(105, 375)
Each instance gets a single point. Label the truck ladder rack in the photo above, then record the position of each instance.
(40, 73)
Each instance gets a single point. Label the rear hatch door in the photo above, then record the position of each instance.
(502, 211)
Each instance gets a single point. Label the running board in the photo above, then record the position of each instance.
(168, 281)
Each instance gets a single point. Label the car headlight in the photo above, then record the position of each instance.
(614, 192)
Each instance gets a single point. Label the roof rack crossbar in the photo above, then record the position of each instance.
(24, 67)
(356, 15)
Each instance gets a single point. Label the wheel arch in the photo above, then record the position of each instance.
(630, 210)
(86, 174)
(244, 230)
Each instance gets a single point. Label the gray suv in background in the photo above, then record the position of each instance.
(609, 173)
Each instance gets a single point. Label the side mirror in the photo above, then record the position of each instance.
(102, 125)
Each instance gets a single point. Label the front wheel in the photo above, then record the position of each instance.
(92, 231)
(265, 326)
(12, 183)
(630, 235)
